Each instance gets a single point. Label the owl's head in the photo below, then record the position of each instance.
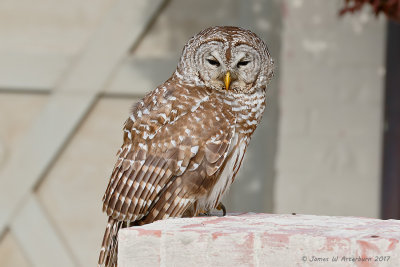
(228, 59)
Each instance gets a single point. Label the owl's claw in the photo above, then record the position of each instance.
(221, 207)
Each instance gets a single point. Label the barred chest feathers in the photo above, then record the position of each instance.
(248, 110)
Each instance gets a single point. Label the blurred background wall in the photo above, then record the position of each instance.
(71, 70)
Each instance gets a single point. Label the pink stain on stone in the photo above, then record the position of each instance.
(217, 234)
(144, 232)
(368, 247)
(393, 244)
(247, 249)
(334, 243)
(275, 240)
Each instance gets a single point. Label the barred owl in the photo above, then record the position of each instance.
(184, 142)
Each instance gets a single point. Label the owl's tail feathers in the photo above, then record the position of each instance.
(109, 247)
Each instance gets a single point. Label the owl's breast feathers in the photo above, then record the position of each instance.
(177, 143)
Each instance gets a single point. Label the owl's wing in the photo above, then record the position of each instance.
(168, 154)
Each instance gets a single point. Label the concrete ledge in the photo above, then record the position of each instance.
(262, 240)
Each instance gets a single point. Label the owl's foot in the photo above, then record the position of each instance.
(221, 207)
(200, 213)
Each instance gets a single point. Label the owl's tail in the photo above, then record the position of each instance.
(109, 247)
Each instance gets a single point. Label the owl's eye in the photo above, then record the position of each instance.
(213, 62)
(243, 63)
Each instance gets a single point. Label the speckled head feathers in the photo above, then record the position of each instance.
(227, 48)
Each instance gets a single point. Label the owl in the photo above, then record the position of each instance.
(184, 142)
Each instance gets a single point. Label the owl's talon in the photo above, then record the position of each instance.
(221, 207)
(202, 213)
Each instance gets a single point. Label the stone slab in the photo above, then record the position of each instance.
(262, 240)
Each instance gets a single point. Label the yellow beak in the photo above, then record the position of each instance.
(227, 80)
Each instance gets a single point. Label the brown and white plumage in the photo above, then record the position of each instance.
(185, 141)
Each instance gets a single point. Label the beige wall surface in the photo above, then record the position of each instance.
(73, 188)
(24, 109)
(331, 92)
(317, 150)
